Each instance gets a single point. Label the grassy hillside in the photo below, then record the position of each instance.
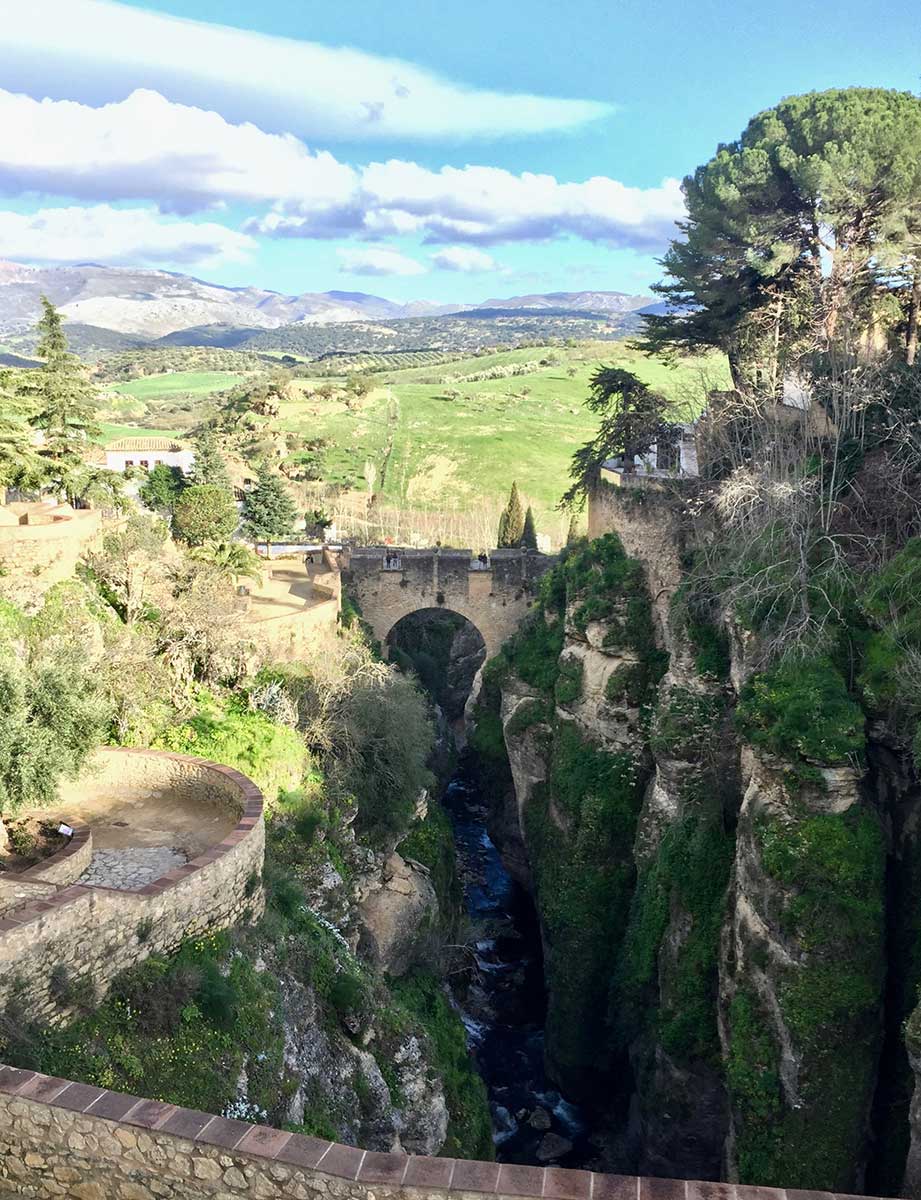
(440, 443)
(193, 383)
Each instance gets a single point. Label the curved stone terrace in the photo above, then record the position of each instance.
(147, 815)
(165, 847)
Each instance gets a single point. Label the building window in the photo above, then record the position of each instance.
(144, 464)
(129, 462)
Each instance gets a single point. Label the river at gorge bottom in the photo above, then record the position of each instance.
(503, 1010)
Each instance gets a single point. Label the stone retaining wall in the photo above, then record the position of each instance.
(38, 556)
(77, 1142)
(57, 870)
(97, 932)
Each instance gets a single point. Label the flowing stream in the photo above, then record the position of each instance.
(504, 1010)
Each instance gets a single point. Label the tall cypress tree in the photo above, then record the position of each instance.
(511, 523)
(572, 534)
(529, 531)
(269, 512)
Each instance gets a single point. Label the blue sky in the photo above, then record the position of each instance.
(410, 148)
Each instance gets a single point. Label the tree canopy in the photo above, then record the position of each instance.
(209, 466)
(511, 521)
(64, 400)
(633, 418)
(204, 513)
(269, 512)
(797, 229)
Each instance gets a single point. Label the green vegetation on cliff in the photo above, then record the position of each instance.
(579, 826)
(831, 866)
(674, 996)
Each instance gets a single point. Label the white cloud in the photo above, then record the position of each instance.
(377, 260)
(116, 237)
(488, 205)
(464, 258)
(146, 147)
(185, 159)
(99, 51)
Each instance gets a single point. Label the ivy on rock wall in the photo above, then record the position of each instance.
(579, 831)
(825, 874)
(580, 825)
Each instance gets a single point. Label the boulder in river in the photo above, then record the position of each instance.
(552, 1146)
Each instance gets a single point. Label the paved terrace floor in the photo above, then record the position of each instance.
(139, 837)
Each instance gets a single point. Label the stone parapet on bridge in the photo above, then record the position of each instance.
(389, 584)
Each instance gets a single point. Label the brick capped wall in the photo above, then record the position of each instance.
(78, 1142)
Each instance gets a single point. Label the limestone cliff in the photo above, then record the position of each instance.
(708, 857)
(802, 977)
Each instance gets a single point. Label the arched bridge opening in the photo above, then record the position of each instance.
(444, 650)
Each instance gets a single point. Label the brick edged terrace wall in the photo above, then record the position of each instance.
(98, 932)
(77, 1142)
(57, 870)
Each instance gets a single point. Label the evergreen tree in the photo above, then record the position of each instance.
(633, 418)
(209, 466)
(268, 510)
(795, 231)
(572, 534)
(64, 400)
(20, 463)
(162, 488)
(511, 523)
(529, 531)
(204, 514)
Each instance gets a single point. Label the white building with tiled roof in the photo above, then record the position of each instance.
(147, 453)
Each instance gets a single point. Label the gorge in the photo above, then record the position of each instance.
(723, 863)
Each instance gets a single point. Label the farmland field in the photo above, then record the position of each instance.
(109, 432)
(195, 383)
(458, 445)
(436, 433)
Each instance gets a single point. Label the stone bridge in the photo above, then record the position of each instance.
(389, 584)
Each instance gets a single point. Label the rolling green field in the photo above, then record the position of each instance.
(436, 445)
(194, 383)
(430, 440)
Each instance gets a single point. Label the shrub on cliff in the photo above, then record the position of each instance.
(802, 710)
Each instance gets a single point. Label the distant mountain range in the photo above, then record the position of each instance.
(147, 304)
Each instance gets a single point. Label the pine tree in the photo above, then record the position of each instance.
(64, 400)
(529, 532)
(511, 523)
(268, 510)
(209, 466)
(572, 535)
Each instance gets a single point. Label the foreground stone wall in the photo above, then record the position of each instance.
(77, 1142)
(96, 932)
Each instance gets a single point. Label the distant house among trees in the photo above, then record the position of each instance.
(672, 455)
(148, 453)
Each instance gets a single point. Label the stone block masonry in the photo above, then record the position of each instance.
(390, 584)
(77, 1142)
(97, 932)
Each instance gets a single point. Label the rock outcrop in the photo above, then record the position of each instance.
(396, 908)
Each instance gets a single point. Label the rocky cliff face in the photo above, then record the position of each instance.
(802, 976)
(360, 1067)
(725, 903)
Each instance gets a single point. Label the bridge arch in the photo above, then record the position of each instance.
(494, 596)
